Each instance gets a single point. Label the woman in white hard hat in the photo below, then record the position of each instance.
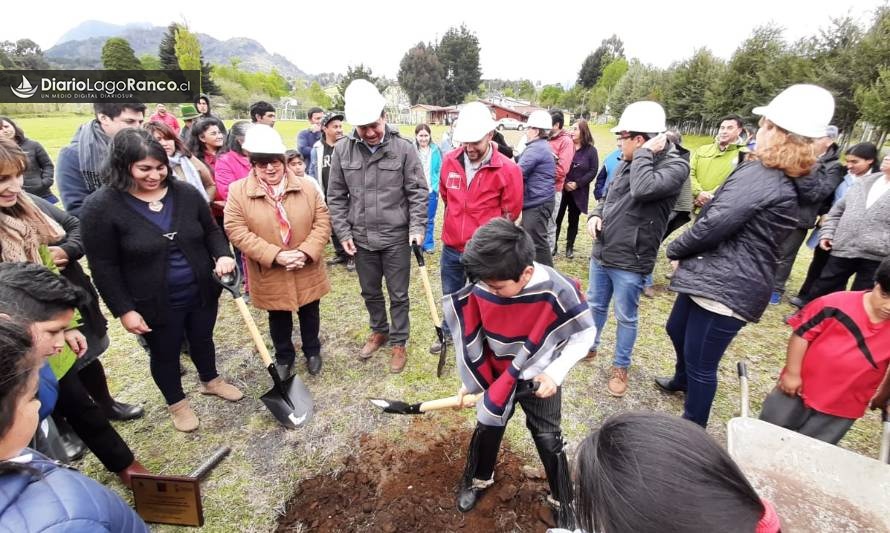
(152, 245)
(539, 186)
(280, 223)
(726, 262)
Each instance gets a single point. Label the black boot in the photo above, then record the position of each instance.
(570, 252)
(550, 450)
(481, 458)
(94, 381)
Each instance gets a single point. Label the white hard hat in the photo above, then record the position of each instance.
(803, 109)
(364, 103)
(642, 117)
(540, 119)
(262, 139)
(473, 123)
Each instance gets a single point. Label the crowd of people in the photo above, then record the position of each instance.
(158, 209)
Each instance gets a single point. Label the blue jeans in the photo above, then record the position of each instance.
(700, 338)
(429, 242)
(454, 277)
(626, 287)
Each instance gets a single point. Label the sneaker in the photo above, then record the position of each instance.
(350, 265)
(219, 387)
(775, 298)
(649, 292)
(184, 419)
(617, 386)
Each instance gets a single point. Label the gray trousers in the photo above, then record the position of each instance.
(787, 255)
(791, 413)
(536, 221)
(551, 227)
(394, 264)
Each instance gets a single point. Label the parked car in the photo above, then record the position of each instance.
(508, 123)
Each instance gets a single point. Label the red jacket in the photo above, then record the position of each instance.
(495, 191)
(564, 148)
(167, 119)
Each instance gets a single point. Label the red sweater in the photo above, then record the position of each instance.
(496, 191)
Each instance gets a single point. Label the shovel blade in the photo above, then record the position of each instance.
(396, 407)
(293, 392)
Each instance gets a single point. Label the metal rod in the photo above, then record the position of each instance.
(211, 462)
(743, 385)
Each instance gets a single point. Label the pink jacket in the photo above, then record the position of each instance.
(230, 167)
(167, 119)
(564, 149)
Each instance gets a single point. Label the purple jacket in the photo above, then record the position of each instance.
(582, 172)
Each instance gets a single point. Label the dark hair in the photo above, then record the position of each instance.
(422, 127)
(312, 111)
(882, 275)
(735, 118)
(196, 145)
(260, 108)
(16, 365)
(114, 109)
(238, 129)
(290, 155)
(167, 133)
(129, 146)
(499, 251)
(558, 118)
(206, 99)
(866, 151)
(640, 133)
(19, 134)
(586, 136)
(652, 472)
(33, 293)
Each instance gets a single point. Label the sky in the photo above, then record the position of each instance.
(517, 39)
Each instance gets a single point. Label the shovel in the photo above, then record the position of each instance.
(425, 279)
(289, 401)
(397, 407)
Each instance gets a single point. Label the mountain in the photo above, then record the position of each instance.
(84, 51)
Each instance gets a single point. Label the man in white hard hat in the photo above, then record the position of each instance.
(477, 184)
(377, 197)
(538, 164)
(627, 227)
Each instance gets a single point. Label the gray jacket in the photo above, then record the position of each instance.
(377, 199)
(857, 232)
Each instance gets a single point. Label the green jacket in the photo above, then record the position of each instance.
(709, 167)
(61, 362)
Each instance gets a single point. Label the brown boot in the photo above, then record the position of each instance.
(399, 357)
(184, 419)
(126, 474)
(617, 386)
(375, 341)
(591, 355)
(220, 387)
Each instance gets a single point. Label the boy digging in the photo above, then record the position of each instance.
(519, 324)
(836, 364)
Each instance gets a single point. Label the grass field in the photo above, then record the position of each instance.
(248, 490)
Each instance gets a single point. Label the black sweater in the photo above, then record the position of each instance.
(128, 254)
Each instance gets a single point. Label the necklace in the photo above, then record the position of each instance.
(155, 206)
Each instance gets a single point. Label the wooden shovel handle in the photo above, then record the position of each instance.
(254, 332)
(451, 401)
(430, 299)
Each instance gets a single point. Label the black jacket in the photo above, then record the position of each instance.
(817, 187)
(731, 253)
(128, 254)
(39, 175)
(637, 206)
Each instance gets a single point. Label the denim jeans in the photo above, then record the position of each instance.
(454, 277)
(700, 338)
(626, 287)
(429, 241)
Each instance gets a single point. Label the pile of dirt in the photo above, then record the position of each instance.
(411, 485)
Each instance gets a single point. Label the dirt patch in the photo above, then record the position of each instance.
(410, 484)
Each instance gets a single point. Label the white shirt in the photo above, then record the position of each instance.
(878, 188)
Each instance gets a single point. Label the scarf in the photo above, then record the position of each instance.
(92, 149)
(496, 338)
(24, 230)
(275, 196)
(189, 172)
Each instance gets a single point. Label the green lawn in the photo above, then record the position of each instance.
(249, 489)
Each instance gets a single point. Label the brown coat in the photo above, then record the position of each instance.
(252, 226)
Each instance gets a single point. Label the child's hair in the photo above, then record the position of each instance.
(651, 472)
(33, 293)
(867, 151)
(882, 275)
(499, 251)
(16, 366)
(290, 155)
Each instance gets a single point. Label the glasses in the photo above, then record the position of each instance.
(274, 163)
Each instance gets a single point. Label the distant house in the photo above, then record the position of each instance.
(429, 114)
(517, 109)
